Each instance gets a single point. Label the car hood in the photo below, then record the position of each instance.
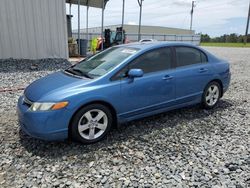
(59, 83)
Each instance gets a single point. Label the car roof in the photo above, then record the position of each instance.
(155, 44)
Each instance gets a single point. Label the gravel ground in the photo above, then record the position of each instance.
(190, 147)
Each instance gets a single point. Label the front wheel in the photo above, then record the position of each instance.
(91, 123)
(211, 95)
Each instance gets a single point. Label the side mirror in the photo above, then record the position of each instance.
(135, 73)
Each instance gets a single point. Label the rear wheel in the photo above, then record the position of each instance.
(91, 123)
(211, 95)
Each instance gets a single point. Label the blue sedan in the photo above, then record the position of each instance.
(121, 84)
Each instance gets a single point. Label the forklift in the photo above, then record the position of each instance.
(112, 38)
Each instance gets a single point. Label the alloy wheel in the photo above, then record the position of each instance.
(92, 124)
(212, 95)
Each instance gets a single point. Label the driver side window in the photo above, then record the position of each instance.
(152, 61)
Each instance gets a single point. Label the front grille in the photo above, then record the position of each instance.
(27, 102)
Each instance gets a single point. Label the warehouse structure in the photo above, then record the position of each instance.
(147, 32)
(33, 29)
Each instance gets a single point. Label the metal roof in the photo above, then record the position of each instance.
(90, 3)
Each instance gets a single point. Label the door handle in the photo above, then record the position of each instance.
(167, 77)
(201, 70)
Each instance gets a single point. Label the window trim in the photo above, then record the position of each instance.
(115, 78)
(175, 56)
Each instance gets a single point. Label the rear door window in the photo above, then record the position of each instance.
(188, 56)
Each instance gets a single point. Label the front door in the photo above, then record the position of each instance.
(153, 91)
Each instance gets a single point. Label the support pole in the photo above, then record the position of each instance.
(139, 31)
(79, 45)
(70, 6)
(192, 12)
(123, 7)
(248, 18)
(87, 22)
(103, 6)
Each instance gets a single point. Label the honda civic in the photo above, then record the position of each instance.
(118, 85)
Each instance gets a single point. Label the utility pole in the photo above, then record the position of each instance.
(248, 18)
(139, 32)
(192, 12)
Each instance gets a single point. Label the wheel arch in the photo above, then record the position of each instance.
(112, 109)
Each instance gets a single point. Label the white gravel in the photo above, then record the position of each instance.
(189, 147)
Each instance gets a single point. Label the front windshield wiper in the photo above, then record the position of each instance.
(72, 72)
(78, 72)
(85, 74)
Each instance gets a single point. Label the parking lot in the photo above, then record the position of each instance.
(190, 147)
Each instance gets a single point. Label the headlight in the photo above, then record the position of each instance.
(36, 106)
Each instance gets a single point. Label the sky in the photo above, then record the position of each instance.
(214, 17)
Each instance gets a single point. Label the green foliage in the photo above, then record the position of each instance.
(205, 38)
(231, 38)
(72, 41)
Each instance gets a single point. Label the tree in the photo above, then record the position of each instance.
(232, 38)
(205, 38)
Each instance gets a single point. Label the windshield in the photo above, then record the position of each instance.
(102, 63)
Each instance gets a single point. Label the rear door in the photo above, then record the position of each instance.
(193, 72)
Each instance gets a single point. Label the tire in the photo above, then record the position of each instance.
(211, 95)
(91, 123)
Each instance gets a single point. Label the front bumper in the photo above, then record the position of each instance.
(45, 125)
